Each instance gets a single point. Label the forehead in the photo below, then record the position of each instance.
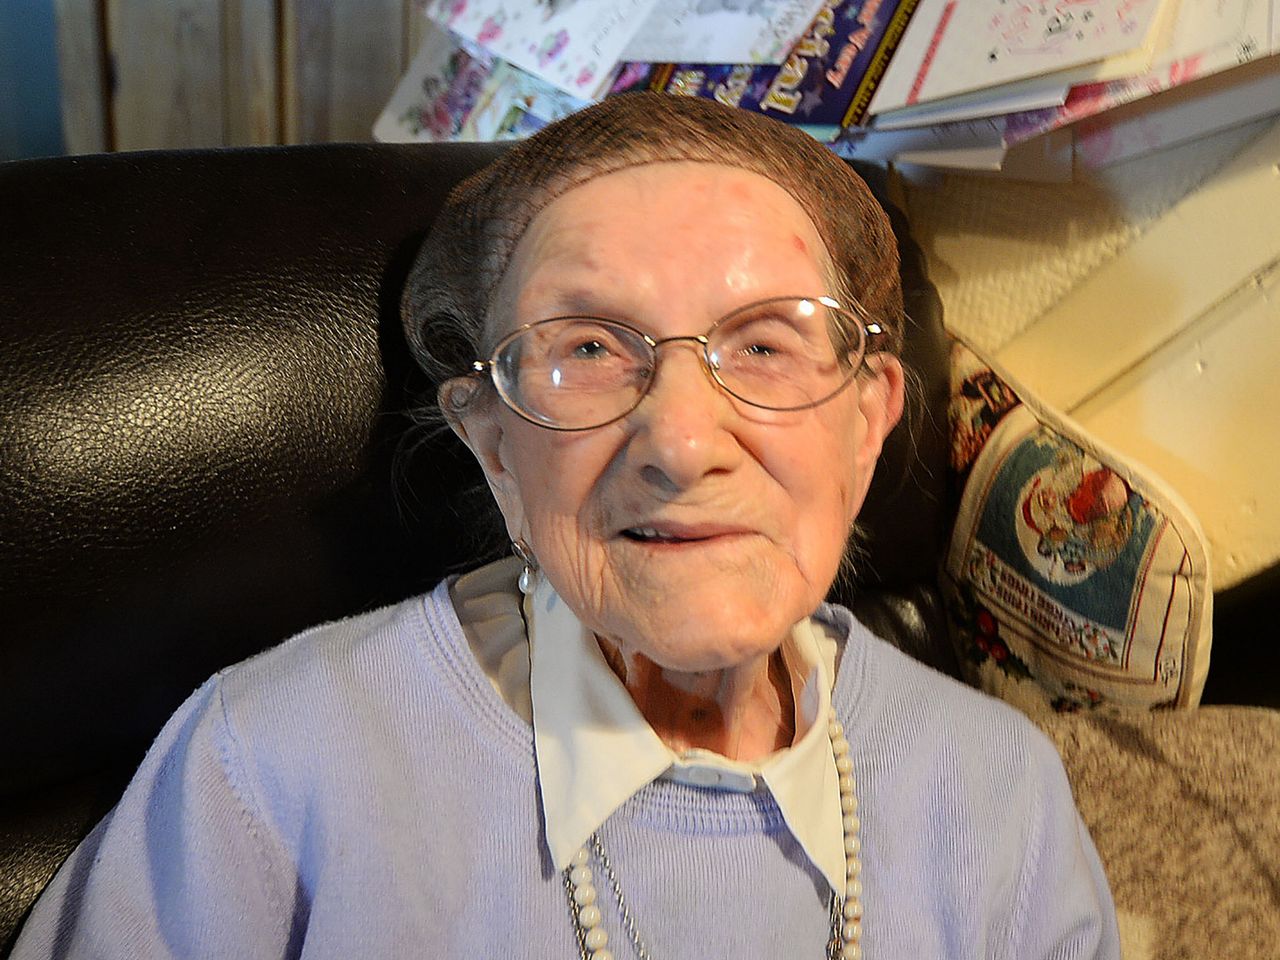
(678, 190)
(646, 226)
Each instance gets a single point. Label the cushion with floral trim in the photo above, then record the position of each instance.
(1074, 577)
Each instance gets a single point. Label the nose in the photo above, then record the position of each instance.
(681, 431)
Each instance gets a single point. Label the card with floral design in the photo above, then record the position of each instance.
(435, 97)
(572, 44)
(509, 103)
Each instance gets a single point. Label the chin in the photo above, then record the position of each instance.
(692, 636)
(694, 608)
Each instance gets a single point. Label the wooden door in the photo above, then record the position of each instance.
(154, 74)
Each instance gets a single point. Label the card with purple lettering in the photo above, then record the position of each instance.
(824, 84)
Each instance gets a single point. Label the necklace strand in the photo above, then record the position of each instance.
(845, 942)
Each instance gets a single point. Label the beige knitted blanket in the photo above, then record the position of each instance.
(1184, 807)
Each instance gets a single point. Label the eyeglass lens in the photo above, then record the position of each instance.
(576, 373)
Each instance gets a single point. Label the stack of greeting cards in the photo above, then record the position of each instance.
(1032, 87)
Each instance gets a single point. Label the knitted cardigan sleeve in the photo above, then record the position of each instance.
(1064, 909)
(184, 866)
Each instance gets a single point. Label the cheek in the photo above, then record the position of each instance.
(556, 475)
(831, 497)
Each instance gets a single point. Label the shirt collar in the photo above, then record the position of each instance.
(595, 749)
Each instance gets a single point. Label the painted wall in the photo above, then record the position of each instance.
(30, 123)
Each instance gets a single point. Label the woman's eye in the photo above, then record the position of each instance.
(590, 350)
(761, 350)
(764, 341)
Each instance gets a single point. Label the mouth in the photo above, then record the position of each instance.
(653, 535)
(674, 535)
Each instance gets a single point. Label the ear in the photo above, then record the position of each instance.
(880, 400)
(475, 421)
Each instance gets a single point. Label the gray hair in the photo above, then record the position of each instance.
(449, 295)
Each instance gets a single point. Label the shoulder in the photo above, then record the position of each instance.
(964, 796)
(914, 715)
(345, 655)
(336, 694)
(345, 712)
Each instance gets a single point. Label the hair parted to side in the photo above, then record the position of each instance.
(449, 293)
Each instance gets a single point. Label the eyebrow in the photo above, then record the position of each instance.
(578, 301)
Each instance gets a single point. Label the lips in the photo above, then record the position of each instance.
(648, 534)
(680, 532)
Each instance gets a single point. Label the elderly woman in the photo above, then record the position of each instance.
(668, 331)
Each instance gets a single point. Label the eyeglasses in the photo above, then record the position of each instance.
(577, 373)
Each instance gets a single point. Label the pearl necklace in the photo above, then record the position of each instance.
(846, 911)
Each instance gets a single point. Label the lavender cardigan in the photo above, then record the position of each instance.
(362, 791)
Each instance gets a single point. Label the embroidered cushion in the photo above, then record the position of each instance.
(1073, 577)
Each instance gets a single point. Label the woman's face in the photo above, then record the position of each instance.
(753, 507)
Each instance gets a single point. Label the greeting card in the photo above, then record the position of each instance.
(722, 31)
(573, 44)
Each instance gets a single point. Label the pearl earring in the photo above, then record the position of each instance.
(525, 554)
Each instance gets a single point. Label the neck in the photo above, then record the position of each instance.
(744, 712)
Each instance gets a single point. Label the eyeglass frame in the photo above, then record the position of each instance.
(870, 330)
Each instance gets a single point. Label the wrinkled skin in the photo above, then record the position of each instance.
(759, 503)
